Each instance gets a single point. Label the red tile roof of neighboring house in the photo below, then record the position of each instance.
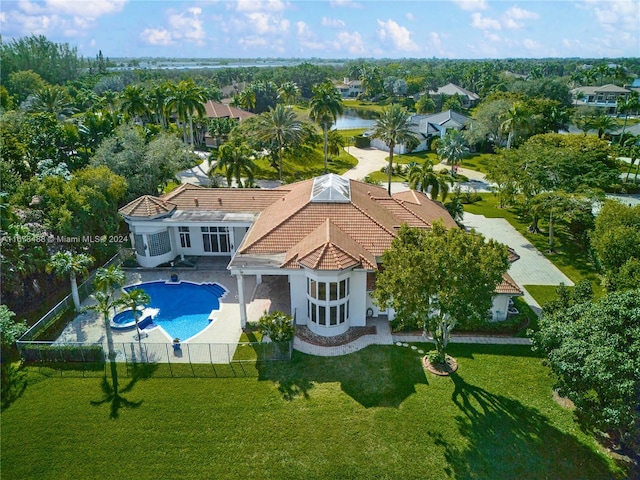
(222, 110)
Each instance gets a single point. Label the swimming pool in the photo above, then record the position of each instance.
(181, 309)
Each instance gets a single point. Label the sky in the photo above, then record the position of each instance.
(456, 29)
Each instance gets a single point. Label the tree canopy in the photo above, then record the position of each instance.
(435, 279)
(594, 350)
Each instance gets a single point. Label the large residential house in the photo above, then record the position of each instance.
(324, 236)
(605, 96)
(426, 127)
(349, 88)
(468, 99)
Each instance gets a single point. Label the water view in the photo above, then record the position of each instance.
(355, 118)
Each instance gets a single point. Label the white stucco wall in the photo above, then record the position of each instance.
(298, 289)
(499, 308)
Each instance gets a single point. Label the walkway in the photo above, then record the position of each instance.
(198, 174)
(385, 337)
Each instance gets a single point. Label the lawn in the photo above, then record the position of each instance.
(374, 414)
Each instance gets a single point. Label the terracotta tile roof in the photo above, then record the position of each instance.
(328, 248)
(147, 206)
(370, 221)
(423, 207)
(222, 110)
(509, 286)
(194, 198)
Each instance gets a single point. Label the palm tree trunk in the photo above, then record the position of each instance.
(191, 128)
(74, 292)
(551, 230)
(280, 161)
(326, 146)
(390, 169)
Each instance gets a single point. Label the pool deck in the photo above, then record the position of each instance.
(215, 344)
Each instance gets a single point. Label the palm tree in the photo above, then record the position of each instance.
(280, 125)
(513, 120)
(246, 99)
(67, 263)
(602, 123)
(336, 142)
(393, 128)
(104, 303)
(324, 108)
(109, 279)
(289, 93)
(627, 105)
(134, 299)
(424, 176)
(237, 162)
(93, 127)
(453, 148)
(134, 102)
(50, 99)
(187, 99)
(158, 102)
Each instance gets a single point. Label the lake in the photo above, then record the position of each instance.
(355, 118)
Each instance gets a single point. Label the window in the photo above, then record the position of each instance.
(159, 243)
(328, 302)
(185, 237)
(138, 240)
(215, 239)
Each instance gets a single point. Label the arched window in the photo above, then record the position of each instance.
(328, 302)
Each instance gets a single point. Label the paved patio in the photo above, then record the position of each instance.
(215, 344)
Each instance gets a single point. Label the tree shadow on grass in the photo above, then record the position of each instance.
(377, 376)
(113, 393)
(13, 383)
(506, 439)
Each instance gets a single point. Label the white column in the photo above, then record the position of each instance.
(258, 279)
(243, 307)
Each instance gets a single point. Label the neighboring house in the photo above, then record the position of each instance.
(222, 110)
(605, 96)
(467, 99)
(324, 236)
(349, 88)
(425, 127)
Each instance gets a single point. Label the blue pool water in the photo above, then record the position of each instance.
(181, 309)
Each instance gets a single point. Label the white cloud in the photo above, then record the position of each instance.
(181, 26)
(332, 22)
(260, 6)
(530, 44)
(411, 17)
(398, 35)
(512, 17)
(267, 23)
(351, 41)
(471, 5)
(484, 23)
(345, 4)
(71, 18)
(615, 14)
(157, 36)
(90, 9)
(253, 42)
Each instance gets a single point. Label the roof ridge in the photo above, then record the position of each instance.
(373, 219)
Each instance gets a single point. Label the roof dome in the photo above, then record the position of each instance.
(331, 188)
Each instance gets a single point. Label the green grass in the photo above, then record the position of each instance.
(568, 256)
(374, 414)
(296, 168)
(362, 105)
(542, 293)
(477, 161)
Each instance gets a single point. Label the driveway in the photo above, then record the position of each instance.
(532, 268)
(369, 160)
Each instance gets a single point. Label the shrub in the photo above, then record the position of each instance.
(361, 141)
(277, 325)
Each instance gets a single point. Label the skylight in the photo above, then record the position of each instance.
(331, 188)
